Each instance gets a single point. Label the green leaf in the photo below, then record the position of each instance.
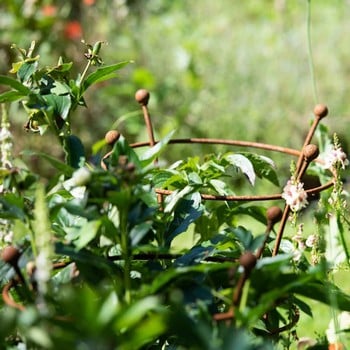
(67, 170)
(14, 84)
(220, 187)
(152, 153)
(244, 236)
(75, 151)
(87, 233)
(12, 207)
(186, 212)
(102, 74)
(138, 232)
(170, 275)
(194, 179)
(85, 257)
(324, 292)
(168, 178)
(136, 312)
(121, 147)
(264, 167)
(26, 70)
(61, 104)
(243, 163)
(10, 96)
(172, 200)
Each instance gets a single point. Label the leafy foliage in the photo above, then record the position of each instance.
(100, 264)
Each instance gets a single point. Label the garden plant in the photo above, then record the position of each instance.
(118, 248)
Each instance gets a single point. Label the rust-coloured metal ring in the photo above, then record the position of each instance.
(268, 147)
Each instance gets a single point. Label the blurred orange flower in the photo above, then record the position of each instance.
(89, 2)
(73, 30)
(49, 10)
(335, 346)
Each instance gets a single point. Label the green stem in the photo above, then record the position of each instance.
(310, 54)
(126, 253)
(82, 77)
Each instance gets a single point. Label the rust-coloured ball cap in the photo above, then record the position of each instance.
(112, 136)
(248, 261)
(10, 255)
(321, 110)
(311, 152)
(274, 214)
(142, 97)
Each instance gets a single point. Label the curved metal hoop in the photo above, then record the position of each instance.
(268, 147)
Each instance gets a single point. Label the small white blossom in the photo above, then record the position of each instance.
(5, 135)
(297, 254)
(8, 238)
(6, 146)
(295, 195)
(311, 241)
(335, 156)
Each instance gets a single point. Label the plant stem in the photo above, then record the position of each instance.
(310, 54)
(125, 253)
(82, 77)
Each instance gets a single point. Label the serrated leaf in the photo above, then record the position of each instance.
(244, 164)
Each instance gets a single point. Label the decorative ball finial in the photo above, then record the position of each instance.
(10, 255)
(311, 152)
(248, 261)
(142, 97)
(321, 110)
(111, 137)
(273, 215)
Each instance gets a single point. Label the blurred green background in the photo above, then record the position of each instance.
(219, 69)
(225, 68)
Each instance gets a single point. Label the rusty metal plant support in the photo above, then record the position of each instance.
(304, 159)
(308, 154)
(247, 261)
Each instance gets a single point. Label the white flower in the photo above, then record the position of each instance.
(5, 135)
(8, 238)
(297, 254)
(335, 156)
(311, 241)
(295, 195)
